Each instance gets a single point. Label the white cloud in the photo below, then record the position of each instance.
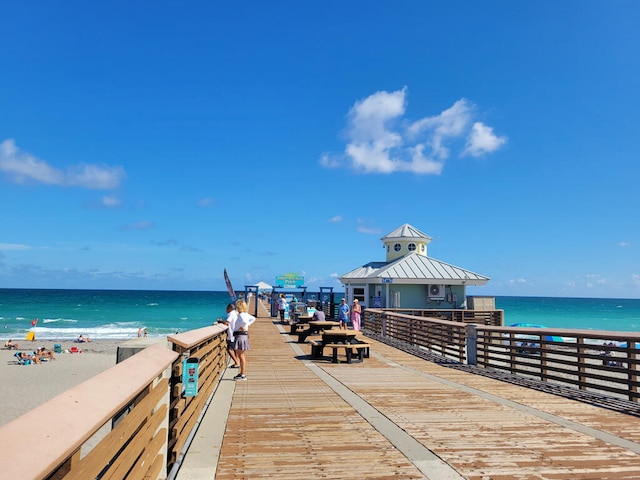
(624, 244)
(482, 140)
(22, 167)
(330, 161)
(450, 124)
(368, 230)
(337, 218)
(139, 226)
(110, 202)
(13, 246)
(381, 140)
(363, 228)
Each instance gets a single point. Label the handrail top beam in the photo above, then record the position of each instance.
(55, 436)
(192, 338)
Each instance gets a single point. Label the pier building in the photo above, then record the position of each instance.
(409, 277)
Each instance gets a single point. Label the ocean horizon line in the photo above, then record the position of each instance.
(310, 290)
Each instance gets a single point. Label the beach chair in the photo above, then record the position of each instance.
(22, 361)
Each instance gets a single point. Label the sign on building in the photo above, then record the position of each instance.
(290, 280)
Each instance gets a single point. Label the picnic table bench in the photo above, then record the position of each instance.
(336, 339)
(362, 349)
(301, 324)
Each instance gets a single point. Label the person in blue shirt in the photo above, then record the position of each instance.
(343, 314)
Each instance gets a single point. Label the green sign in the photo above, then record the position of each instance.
(190, 376)
(290, 280)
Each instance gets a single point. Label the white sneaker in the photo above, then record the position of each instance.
(240, 377)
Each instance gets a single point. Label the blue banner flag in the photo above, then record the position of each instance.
(232, 293)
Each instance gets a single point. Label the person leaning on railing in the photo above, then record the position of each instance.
(232, 315)
(241, 336)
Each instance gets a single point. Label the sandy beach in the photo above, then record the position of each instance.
(27, 386)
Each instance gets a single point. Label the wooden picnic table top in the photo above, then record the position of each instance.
(325, 323)
(345, 333)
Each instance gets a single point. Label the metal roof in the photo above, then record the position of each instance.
(406, 231)
(414, 268)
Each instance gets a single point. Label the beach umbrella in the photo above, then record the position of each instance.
(263, 286)
(548, 338)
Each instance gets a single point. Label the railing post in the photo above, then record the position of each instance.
(472, 344)
(384, 324)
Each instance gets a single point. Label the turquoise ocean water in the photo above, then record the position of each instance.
(117, 314)
(106, 314)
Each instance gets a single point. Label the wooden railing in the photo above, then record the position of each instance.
(593, 360)
(53, 440)
(129, 422)
(443, 337)
(209, 346)
(481, 317)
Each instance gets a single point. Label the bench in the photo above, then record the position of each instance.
(317, 348)
(298, 327)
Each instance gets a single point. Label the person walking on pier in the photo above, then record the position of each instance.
(241, 336)
(343, 314)
(282, 306)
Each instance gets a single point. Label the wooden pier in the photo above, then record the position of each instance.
(396, 415)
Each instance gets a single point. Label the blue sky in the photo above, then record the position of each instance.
(150, 145)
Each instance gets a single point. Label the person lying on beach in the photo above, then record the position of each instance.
(44, 353)
(11, 345)
(82, 339)
(30, 356)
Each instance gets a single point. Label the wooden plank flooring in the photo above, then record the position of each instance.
(301, 418)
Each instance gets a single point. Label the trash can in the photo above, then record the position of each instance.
(57, 348)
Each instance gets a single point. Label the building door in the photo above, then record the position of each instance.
(356, 292)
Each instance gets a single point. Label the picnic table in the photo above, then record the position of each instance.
(337, 339)
(316, 327)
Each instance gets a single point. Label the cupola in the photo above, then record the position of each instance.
(404, 240)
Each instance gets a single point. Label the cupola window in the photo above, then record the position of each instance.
(397, 247)
(411, 247)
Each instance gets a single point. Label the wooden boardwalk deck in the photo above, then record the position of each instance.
(398, 416)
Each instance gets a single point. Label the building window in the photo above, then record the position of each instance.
(422, 248)
(397, 247)
(411, 247)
